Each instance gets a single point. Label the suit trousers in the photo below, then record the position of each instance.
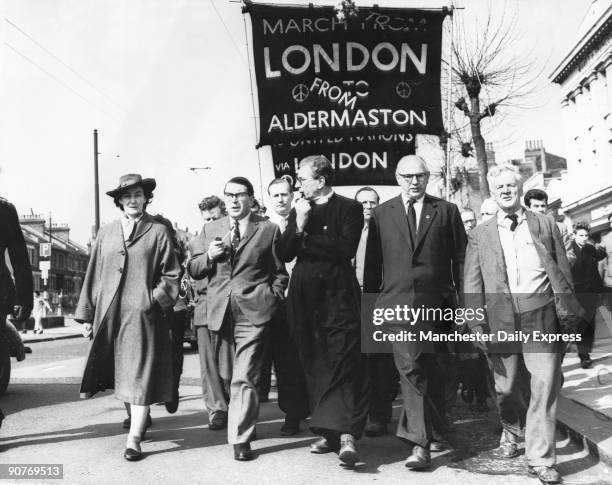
(538, 370)
(249, 346)
(384, 382)
(215, 354)
(422, 381)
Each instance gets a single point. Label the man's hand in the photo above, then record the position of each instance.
(302, 211)
(19, 313)
(216, 250)
(87, 331)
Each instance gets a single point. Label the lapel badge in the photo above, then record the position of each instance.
(427, 216)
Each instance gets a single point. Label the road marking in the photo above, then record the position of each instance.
(51, 368)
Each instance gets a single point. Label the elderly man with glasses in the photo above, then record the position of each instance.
(415, 252)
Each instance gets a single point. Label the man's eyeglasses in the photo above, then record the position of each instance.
(408, 177)
(237, 195)
(300, 180)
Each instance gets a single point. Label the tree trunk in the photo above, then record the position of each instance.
(479, 146)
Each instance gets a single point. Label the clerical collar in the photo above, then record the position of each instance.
(323, 199)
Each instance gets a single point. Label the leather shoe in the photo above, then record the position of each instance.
(508, 447)
(291, 427)
(218, 422)
(131, 454)
(546, 474)
(172, 406)
(375, 429)
(321, 446)
(243, 452)
(586, 362)
(127, 422)
(348, 453)
(419, 459)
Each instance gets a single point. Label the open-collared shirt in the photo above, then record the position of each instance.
(525, 271)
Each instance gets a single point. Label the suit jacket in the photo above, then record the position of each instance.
(430, 271)
(12, 244)
(486, 278)
(257, 279)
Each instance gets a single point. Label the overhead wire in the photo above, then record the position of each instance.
(59, 81)
(227, 31)
(63, 63)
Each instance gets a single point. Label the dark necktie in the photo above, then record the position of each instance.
(411, 216)
(235, 236)
(133, 231)
(514, 219)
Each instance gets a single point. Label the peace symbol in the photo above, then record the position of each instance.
(300, 92)
(403, 89)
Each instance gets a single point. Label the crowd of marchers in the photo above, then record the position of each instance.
(283, 291)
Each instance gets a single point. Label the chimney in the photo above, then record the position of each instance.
(61, 232)
(35, 221)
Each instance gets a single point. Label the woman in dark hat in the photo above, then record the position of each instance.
(132, 278)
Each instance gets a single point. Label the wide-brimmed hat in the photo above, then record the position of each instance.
(130, 180)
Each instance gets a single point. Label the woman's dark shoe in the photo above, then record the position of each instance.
(243, 452)
(131, 454)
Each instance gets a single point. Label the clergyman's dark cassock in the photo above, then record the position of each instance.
(323, 310)
(423, 269)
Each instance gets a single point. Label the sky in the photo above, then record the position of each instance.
(166, 84)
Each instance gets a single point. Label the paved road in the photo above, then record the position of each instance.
(47, 423)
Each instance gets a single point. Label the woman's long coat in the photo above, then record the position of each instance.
(127, 288)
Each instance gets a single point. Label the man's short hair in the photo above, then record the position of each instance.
(497, 170)
(242, 181)
(537, 194)
(367, 189)
(210, 203)
(281, 180)
(581, 225)
(321, 167)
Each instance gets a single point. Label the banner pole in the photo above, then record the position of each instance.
(246, 39)
(449, 106)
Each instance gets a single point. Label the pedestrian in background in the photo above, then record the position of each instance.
(41, 307)
(131, 280)
(587, 283)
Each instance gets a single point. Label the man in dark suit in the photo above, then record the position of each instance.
(516, 265)
(415, 252)
(240, 257)
(323, 308)
(212, 355)
(15, 291)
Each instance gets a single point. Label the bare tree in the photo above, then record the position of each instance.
(491, 77)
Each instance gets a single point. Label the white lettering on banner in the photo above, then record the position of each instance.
(334, 93)
(398, 58)
(314, 120)
(344, 161)
(374, 20)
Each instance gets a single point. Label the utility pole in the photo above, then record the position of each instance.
(96, 184)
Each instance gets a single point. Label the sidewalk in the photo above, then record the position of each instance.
(585, 404)
(71, 329)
